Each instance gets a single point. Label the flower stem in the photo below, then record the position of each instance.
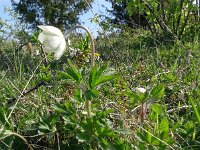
(88, 108)
(142, 112)
(87, 102)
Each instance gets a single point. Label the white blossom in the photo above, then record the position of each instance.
(53, 40)
(140, 90)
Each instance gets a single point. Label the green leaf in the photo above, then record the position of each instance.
(83, 137)
(63, 75)
(96, 76)
(155, 141)
(48, 124)
(7, 143)
(189, 125)
(143, 97)
(101, 70)
(3, 118)
(59, 108)
(5, 133)
(158, 91)
(89, 94)
(104, 79)
(73, 72)
(195, 110)
(133, 97)
(149, 137)
(44, 128)
(78, 94)
(157, 108)
(73, 75)
(92, 77)
(164, 125)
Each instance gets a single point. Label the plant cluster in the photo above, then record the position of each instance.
(147, 97)
(175, 19)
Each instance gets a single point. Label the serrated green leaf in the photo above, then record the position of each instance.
(63, 75)
(101, 70)
(92, 77)
(104, 79)
(73, 72)
(96, 74)
(73, 75)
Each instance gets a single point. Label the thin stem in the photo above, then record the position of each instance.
(40, 83)
(87, 102)
(123, 99)
(88, 108)
(142, 112)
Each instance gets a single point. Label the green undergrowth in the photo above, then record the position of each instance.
(55, 114)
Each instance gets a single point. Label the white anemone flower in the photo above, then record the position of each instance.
(53, 40)
(140, 90)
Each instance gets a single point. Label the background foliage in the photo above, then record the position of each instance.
(59, 13)
(174, 19)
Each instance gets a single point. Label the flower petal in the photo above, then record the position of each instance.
(53, 40)
(51, 43)
(60, 50)
(140, 90)
(50, 30)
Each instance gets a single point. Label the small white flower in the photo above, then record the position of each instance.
(53, 40)
(140, 90)
(37, 52)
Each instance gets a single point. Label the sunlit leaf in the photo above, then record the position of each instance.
(73, 72)
(164, 125)
(157, 108)
(104, 79)
(92, 77)
(195, 109)
(158, 91)
(63, 75)
(133, 97)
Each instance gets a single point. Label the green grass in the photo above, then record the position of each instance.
(54, 116)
